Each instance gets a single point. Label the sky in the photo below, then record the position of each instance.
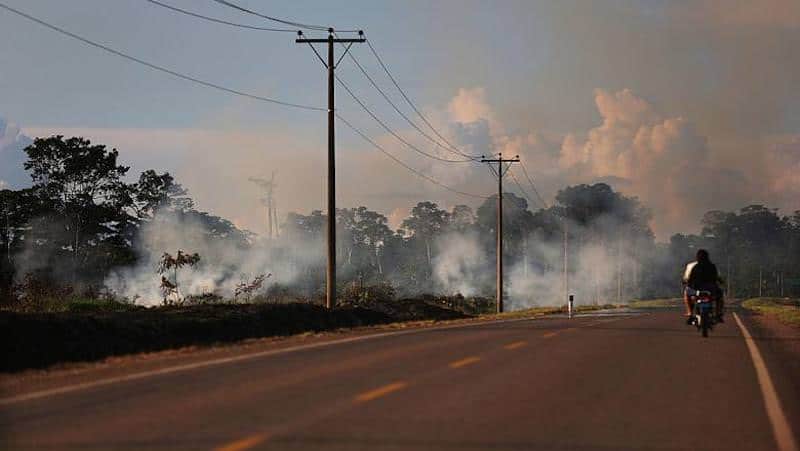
(690, 106)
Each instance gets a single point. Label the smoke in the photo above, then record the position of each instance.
(604, 270)
(460, 263)
(224, 262)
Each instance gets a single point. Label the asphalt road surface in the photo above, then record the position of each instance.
(638, 381)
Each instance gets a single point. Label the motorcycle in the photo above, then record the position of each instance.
(703, 315)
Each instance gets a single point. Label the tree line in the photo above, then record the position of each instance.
(80, 220)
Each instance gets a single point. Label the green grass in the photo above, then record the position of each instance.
(539, 311)
(785, 310)
(655, 303)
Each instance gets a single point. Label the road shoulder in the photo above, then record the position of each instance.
(779, 345)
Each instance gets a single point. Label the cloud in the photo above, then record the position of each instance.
(783, 162)
(469, 105)
(12, 156)
(663, 160)
(763, 13)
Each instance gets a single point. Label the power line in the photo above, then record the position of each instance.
(403, 115)
(401, 163)
(156, 67)
(392, 132)
(530, 180)
(276, 19)
(414, 107)
(219, 21)
(521, 189)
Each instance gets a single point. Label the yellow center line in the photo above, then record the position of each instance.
(515, 345)
(380, 391)
(550, 334)
(464, 362)
(243, 444)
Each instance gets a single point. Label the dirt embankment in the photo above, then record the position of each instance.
(40, 340)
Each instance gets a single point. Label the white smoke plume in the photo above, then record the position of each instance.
(460, 263)
(222, 265)
(599, 273)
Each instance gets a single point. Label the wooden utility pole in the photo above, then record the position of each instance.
(499, 229)
(330, 289)
(566, 260)
(619, 271)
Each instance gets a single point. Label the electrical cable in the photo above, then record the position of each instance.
(413, 106)
(219, 21)
(401, 163)
(156, 67)
(392, 132)
(533, 186)
(521, 189)
(276, 19)
(403, 115)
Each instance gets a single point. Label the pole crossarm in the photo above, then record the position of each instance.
(325, 40)
(330, 65)
(330, 39)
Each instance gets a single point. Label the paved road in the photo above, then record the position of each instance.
(591, 383)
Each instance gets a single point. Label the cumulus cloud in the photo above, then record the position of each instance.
(663, 160)
(12, 156)
(469, 105)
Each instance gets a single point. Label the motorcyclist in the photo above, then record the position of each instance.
(702, 275)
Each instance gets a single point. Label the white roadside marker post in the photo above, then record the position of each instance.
(570, 305)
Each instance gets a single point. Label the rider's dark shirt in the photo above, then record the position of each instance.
(703, 274)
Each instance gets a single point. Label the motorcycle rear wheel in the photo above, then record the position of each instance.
(705, 322)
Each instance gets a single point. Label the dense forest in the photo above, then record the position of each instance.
(87, 228)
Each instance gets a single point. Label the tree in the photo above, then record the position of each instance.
(154, 192)
(305, 227)
(167, 263)
(81, 198)
(14, 216)
(461, 219)
(372, 233)
(426, 221)
(517, 222)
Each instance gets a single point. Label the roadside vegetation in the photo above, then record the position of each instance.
(785, 310)
(87, 245)
(656, 303)
(81, 330)
(87, 222)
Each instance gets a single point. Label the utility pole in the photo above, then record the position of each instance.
(500, 173)
(330, 289)
(566, 260)
(619, 270)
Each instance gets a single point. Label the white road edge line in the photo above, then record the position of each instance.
(780, 426)
(238, 358)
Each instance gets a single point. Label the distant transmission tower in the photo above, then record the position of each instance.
(268, 189)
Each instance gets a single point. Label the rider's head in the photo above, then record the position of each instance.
(702, 255)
